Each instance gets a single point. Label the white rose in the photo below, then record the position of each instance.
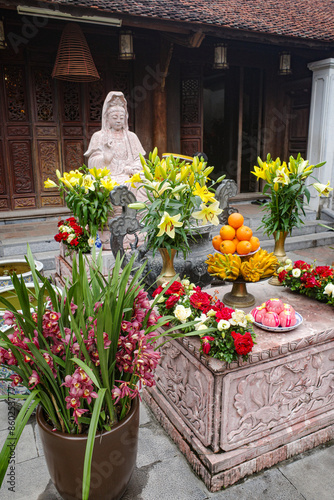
(249, 318)
(296, 273)
(238, 317)
(211, 313)
(329, 289)
(161, 300)
(223, 325)
(288, 262)
(70, 237)
(289, 267)
(185, 282)
(181, 313)
(91, 241)
(280, 269)
(200, 326)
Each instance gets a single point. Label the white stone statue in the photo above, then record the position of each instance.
(114, 146)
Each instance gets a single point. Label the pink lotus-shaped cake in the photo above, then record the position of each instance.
(270, 318)
(287, 318)
(275, 305)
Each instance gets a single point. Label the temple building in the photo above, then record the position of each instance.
(235, 79)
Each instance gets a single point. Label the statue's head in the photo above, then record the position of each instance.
(115, 114)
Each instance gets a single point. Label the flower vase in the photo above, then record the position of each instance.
(167, 271)
(279, 253)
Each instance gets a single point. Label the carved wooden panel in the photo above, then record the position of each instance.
(51, 201)
(18, 131)
(46, 131)
(71, 101)
(190, 147)
(24, 203)
(16, 105)
(4, 204)
(73, 131)
(2, 171)
(277, 395)
(96, 96)
(43, 92)
(21, 166)
(73, 154)
(191, 115)
(48, 159)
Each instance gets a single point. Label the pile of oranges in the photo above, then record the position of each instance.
(235, 237)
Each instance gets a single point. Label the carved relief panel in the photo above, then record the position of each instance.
(73, 154)
(276, 395)
(182, 381)
(48, 160)
(16, 105)
(21, 162)
(2, 171)
(191, 115)
(44, 96)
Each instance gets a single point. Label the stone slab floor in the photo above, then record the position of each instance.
(162, 473)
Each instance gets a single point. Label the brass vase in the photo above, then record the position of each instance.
(167, 271)
(279, 252)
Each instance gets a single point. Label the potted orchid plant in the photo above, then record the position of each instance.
(84, 353)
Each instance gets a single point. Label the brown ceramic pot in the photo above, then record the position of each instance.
(114, 458)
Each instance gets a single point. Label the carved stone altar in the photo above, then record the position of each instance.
(231, 420)
(194, 266)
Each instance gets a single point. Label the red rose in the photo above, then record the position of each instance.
(224, 313)
(58, 237)
(243, 343)
(171, 301)
(200, 300)
(157, 291)
(206, 346)
(175, 287)
(324, 271)
(74, 242)
(300, 264)
(65, 236)
(282, 276)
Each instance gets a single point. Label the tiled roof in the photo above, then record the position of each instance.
(308, 19)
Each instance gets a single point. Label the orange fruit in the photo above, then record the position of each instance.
(244, 247)
(244, 233)
(235, 241)
(227, 246)
(255, 242)
(235, 220)
(227, 232)
(216, 242)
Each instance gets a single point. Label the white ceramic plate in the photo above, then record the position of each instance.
(281, 329)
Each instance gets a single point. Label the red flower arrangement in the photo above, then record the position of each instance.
(232, 334)
(73, 235)
(316, 282)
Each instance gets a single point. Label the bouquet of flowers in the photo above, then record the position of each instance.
(316, 282)
(178, 197)
(83, 353)
(286, 186)
(73, 235)
(232, 332)
(86, 195)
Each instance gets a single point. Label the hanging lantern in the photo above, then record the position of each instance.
(3, 44)
(126, 45)
(220, 56)
(74, 62)
(285, 63)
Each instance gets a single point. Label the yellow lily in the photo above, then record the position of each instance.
(50, 184)
(323, 189)
(98, 173)
(260, 172)
(109, 183)
(134, 179)
(282, 177)
(208, 213)
(88, 183)
(203, 192)
(168, 224)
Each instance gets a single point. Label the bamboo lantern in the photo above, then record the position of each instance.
(74, 61)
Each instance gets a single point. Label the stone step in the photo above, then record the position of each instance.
(300, 242)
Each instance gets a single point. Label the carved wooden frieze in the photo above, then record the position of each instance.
(46, 131)
(48, 158)
(96, 96)
(51, 201)
(18, 131)
(190, 99)
(191, 131)
(20, 154)
(24, 203)
(15, 93)
(276, 395)
(73, 154)
(44, 100)
(71, 101)
(188, 387)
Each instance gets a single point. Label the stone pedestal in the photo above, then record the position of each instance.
(231, 420)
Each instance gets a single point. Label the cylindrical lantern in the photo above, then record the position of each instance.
(285, 63)
(126, 45)
(220, 56)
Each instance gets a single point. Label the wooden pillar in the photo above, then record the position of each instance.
(160, 100)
